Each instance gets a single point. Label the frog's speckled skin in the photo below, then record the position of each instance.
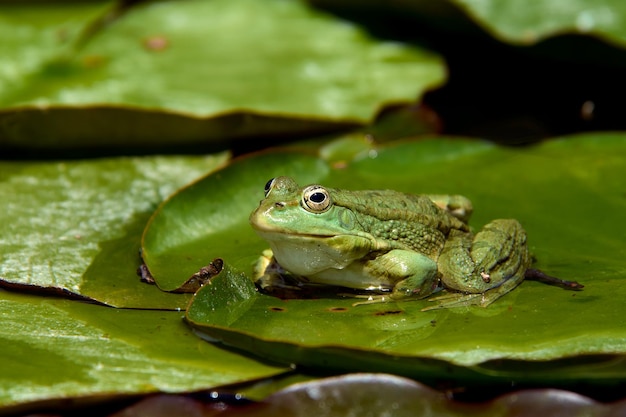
(399, 245)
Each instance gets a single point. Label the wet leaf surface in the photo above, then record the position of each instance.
(74, 75)
(75, 226)
(548, 187)
(54, 349)
(513, 21)
(195, 71)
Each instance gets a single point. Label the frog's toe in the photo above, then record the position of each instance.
(368, 299)
(451, 300)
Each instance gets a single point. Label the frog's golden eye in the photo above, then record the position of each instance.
(316, 199)
(269, 185)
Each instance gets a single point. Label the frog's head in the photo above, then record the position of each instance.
(307, 232)
(291, 210)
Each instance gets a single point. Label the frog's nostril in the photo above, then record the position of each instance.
(279, 205)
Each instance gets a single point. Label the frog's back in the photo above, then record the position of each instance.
(406, 220)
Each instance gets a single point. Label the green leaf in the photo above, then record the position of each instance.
(517, 21)
(76, 226)
(55, 349)
(512, 21)
(34, 36)
(568, 195)
(191, 71)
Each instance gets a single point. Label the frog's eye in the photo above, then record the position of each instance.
(315, 198)
(269, 185)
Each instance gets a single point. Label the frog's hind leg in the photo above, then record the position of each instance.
(458, 299)
(486, 266)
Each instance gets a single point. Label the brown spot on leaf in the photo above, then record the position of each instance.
(156, 43)
(93, 61)
(388, 312)
(337, 309)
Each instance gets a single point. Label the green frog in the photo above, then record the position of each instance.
(388, 244)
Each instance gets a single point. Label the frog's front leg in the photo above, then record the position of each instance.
(414, 275)
(270, 277)
(486, 266)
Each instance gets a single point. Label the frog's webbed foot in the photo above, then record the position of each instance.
(455, 299)
(393, 295)
(368, 299)
(271, 278)
(463, 299)
(283, 287)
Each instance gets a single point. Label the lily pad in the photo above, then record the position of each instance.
(74, 227)
(54, 349)
(512, 21)
(556, 189)
(194, 71)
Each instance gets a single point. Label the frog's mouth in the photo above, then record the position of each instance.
(270, 234)
(336, 245)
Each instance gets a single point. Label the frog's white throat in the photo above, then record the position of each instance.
(308, 255)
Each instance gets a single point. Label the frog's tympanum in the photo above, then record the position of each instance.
(391, 245)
